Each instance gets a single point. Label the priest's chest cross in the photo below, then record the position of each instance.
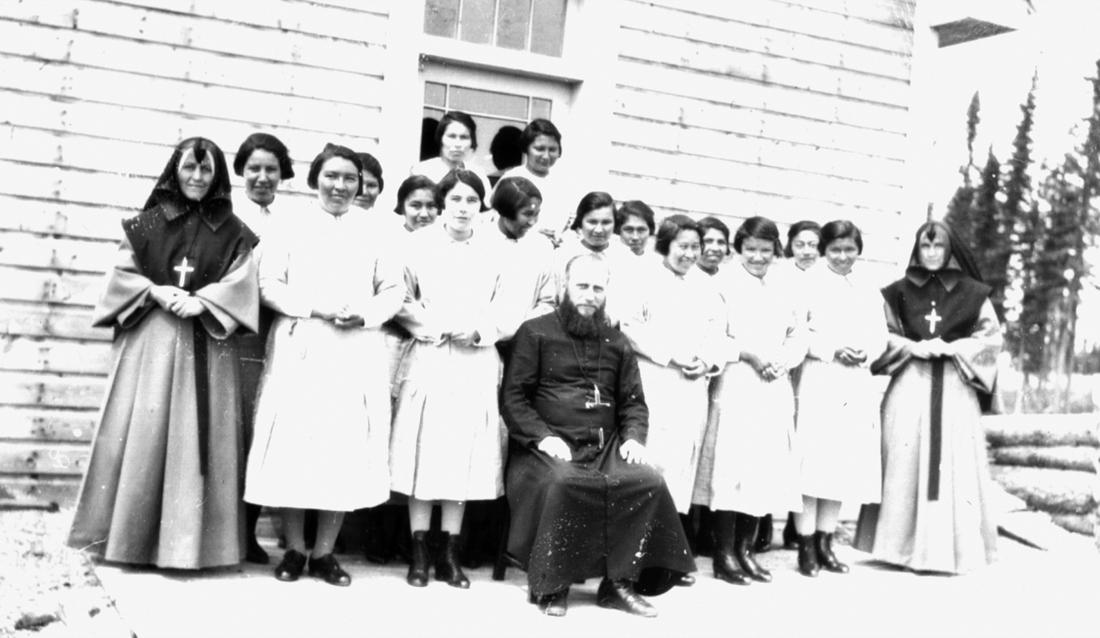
(595, 400)
(183, 269)
(933, 319)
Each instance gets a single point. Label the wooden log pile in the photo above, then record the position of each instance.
(1052, 463)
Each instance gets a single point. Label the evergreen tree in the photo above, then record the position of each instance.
(1021, 222)
(989, 237)
(958, 209)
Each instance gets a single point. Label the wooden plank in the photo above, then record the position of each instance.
(59, 426)
(23, 389)
(60, 218)
(59, 13)
(44, 458)
(750, 94)
(182, 96)
(755, 150)
(111, 121)
(758, 178)
(235, 38)
(60, 489)
(170, 61)
(29, 250)
(775, 43)
(17, 284)
(810, 21)
(693, 112)
(32, 145)
(44, 181)
(45, 320)
(724, 60)
(30, 354)
(895, 13)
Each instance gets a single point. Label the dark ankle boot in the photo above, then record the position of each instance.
(744, 538)
(419, 559)
(726, 568)
(447, 566)
(763, 541)
(790, 534)
(823, 542)
(807, 556)
(704, 535)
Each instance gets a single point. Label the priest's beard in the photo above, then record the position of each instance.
(577, 324)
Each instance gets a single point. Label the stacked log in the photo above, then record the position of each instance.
(1052, 463)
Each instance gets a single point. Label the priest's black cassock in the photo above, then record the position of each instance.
(597, 515)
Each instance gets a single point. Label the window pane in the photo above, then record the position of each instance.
(435, 94)
(441, 17)
(477, 21)
(540, 108)
(488, 103)
(513, 22)
(549, 30)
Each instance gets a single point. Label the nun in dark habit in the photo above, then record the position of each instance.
(163, 485)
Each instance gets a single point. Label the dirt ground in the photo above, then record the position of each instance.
(47, 588)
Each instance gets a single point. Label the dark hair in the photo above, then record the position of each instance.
(671, 227)
(374, 167)
(713, 223)
(468, 178)
(798, 227)
(637, 208)
(757, 228)
(839, 229)
(505, 149)
(512, 195)
(538, 127)
(449, 118)
(589, 203)
(265, 142)
(331, 151)
(412, 184)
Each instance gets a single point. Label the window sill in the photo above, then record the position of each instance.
(447, 51)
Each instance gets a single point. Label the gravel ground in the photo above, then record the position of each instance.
(47, 588)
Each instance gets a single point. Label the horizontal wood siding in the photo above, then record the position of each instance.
(96, 93)
(790, 110)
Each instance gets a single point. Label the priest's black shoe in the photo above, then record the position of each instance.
(555, 604)
(327, 569)
(418, 561)
(619, 594)
(807, 556)
(447, 566)
(291, 567)
(825, 555)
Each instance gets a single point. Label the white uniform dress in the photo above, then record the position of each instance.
(679, 316)
(839, 430)
(755, 467)
(559, 198)
(526, 278)
(447, 436)
(323, 416)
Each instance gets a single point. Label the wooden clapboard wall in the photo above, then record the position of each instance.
(95, 94)
(793, 109)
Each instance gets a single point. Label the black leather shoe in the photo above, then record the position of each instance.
(807, 556)
(290, 568)
(824, 544)
(790, 534)
(763, 542)
(418, 563)
(684, 580)
(725, 543)
(745, 537)
(256, 554)
(447, 566)
(327, 569)
(555, 604)
(619, 594)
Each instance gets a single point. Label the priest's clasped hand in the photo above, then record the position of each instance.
(634, 452)
(556, 447)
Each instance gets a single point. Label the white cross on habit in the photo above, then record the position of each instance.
(933, 319)
(183, 269)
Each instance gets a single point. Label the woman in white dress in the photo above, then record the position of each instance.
(541, 144)
(635, 224)
(456, 139)
(755, 469)
(447, 437)
(838, 415)
(677, 330)
(323, 419)
(264, 162)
